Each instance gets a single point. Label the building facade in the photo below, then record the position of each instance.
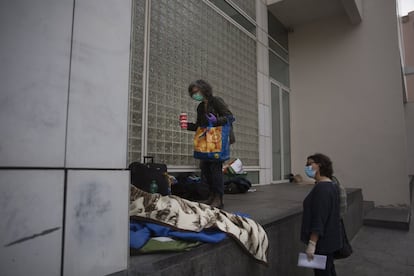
(407, 46)
(89, 86)
(347, 99)
(407, 26)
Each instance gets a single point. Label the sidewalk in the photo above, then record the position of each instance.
(380, 252)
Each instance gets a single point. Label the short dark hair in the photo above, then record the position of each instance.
(204, 87)
(324, 162)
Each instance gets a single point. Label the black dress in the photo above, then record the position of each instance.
(321, 216)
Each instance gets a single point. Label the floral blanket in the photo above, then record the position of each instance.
(183, 214)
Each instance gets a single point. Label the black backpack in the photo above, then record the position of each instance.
(190, 186)
(237, 185)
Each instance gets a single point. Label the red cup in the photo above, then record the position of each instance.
(183, 117)
(183, 125)
(183, 120)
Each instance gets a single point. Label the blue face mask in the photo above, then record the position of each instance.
(198, 97)
(310, 172)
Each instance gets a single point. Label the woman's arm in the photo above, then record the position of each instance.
(314, 237)
(321, 205)
(310, 249)
(223, 111)
(191, 126)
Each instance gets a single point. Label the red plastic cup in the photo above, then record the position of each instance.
(183, 125)
(183, 117)
(183, 120)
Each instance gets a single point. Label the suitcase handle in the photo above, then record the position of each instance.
(148, 157)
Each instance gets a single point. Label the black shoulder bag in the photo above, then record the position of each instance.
(346, 250)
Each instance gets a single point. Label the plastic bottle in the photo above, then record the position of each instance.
(153, 187)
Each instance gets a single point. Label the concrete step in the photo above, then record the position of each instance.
(388, 217)
(367, 206)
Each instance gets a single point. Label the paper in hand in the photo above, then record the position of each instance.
(318, 262)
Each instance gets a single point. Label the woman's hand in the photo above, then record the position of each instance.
(310, 250)
(211, 118)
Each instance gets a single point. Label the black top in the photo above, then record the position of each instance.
(219, 108)
(321, 216)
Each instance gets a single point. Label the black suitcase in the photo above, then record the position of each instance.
(142, 174)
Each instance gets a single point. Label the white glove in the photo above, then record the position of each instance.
(310, 250)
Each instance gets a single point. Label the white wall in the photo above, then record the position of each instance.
(63, 115)
(409, 123)
(263, 90)
(35, 57)
(98, 97)
(96, 228)
(31, 208)
(347, 101)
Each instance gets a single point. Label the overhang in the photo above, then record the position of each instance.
(292, 13)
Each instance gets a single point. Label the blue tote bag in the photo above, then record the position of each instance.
(213, 143)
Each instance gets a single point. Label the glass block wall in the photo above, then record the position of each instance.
(189, 41)
(248, 6)
(135, 101)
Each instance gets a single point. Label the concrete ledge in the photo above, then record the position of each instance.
(354, 216)
(279, 209)
(394, 218)
(368, 206)
(353, 9)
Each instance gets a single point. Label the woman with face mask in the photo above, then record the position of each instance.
(321, 230)
(211, 111)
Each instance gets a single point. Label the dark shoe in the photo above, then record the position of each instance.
(208, 200)
(217, 201)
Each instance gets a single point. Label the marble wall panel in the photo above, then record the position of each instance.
(31, 208)
(34, 73)
(98, 97)
(96, 228)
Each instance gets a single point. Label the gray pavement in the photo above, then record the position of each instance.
(380, 252)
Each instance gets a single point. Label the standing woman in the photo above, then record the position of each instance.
(321, 213)
(211, 111)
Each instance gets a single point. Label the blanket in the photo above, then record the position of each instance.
(182, 214)
(141, 232)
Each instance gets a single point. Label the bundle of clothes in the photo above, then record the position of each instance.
(170, 223)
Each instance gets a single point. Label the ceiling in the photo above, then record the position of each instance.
(293, 13)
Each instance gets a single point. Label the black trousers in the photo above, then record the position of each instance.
(212, 171)
(330, 267)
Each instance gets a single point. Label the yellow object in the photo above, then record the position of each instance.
(208, 140)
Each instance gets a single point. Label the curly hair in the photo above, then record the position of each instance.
(324, 162)
(204, 87)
